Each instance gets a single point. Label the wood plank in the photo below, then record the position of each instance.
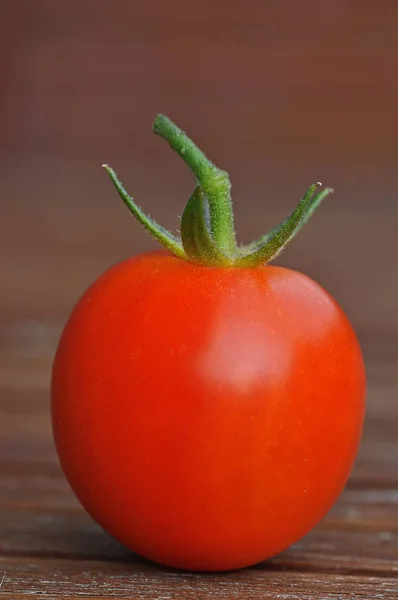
(141, 580)
(42, 486)
(360, 534)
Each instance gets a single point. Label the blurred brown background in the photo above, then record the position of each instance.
(280, 93)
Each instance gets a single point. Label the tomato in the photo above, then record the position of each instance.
(207, 418)
(207, 414)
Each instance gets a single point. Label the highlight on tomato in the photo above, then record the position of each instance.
(207, 406)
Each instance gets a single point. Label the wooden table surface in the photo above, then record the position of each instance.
(280, 96)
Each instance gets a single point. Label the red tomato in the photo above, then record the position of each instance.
(207, 418)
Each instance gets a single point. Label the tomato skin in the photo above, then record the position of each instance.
(207, 418)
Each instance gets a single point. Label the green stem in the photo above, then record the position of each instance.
(213, 181)
(207, 234)
(162, 235)
(195, 235)
(268, 247)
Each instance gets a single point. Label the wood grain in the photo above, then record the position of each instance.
(98, 580)
(281, 93)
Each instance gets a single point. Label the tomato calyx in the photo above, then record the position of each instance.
(207, 232)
